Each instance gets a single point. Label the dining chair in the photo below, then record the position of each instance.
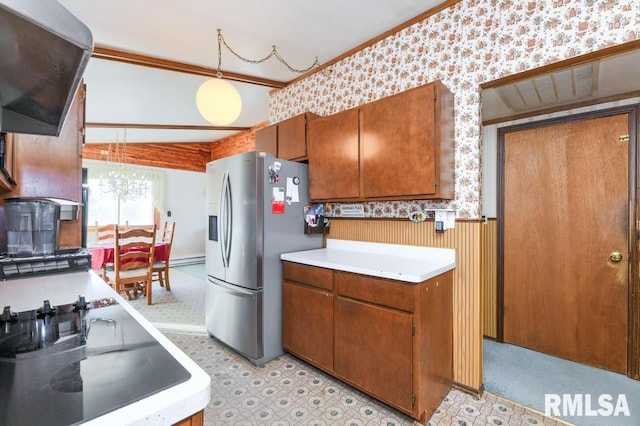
(133, 262)
(104, 234)
(161, 268)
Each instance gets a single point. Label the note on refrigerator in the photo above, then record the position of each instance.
(293, 195)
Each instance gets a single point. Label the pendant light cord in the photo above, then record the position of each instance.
(274, 53)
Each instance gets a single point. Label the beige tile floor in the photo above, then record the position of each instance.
(287, 391)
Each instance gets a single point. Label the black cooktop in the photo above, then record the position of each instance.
(67, 364)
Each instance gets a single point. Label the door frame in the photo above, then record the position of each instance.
(633, 111)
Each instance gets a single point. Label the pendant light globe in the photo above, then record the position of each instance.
(218, 102)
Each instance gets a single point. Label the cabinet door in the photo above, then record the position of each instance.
(292, 138)
(6, 160)
(334, 157)
(374, 350)
(307, 324)
(398, 145)
(267, 140)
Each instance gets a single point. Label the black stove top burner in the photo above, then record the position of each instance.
(70, 363)
(26, 332)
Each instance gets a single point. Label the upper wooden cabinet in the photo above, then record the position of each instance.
(404, 148)
(287, 139)
(402, 151)
(333, 157)
(267, 139)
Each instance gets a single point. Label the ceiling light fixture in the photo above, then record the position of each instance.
(218, 101)
(118, 179)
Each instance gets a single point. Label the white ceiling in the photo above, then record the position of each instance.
(302, 30)
(186, 31)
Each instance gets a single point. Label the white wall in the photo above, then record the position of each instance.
(184, 197)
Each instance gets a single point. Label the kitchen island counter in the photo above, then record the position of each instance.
(394, 261)
(393, 303)
(166, 407)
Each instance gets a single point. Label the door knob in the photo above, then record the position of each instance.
(615, 256)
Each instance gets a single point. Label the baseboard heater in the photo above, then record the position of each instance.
(185, 261)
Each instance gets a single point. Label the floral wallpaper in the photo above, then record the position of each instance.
(465, 45)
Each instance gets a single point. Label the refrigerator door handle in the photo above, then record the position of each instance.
(227, 220)
(234, 291)
(223, 218)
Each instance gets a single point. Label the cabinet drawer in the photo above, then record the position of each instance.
(391, 293)
(310, 275)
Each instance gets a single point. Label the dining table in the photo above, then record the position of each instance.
(102, 253)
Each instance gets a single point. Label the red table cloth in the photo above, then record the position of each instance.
(102, 253)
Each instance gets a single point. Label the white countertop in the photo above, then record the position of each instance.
(398, 262)
(163, 408)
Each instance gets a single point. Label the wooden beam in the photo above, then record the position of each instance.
(100, 52)
(162, 126)
(182, 156)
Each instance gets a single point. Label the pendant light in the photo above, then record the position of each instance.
(218, 101)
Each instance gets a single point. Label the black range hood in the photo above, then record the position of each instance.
(44, 50)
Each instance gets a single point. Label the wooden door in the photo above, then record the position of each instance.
(398, 135)
(565, 212)
(374, 350)
(292, 138)
(307, 323)
(267, 140)
(333, 156)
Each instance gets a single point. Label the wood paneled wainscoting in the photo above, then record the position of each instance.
(466, 238)
(490, 277)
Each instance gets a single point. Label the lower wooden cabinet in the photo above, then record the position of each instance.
(308, 331)
(374, 350)
(195, 420)
(390, 339)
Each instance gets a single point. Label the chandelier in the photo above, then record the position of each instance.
(218, 101)
(120, 180)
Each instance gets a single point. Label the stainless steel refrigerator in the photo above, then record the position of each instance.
(255, 212)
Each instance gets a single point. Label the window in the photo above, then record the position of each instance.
(107, 206)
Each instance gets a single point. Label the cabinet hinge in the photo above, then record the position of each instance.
(436, 181)
(413, 400)
(413, 328)
(435, 95)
